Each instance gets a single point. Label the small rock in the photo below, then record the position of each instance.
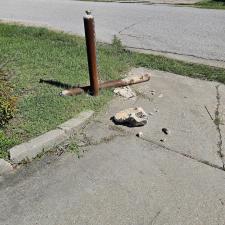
(156, 110)
(139, 134)
(165, 131)
(160, 96)
(131, 117)
(152, 92)
(125, 92)
(163, 139)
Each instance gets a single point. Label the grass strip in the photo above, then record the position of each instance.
(37, 53)
(211, 4)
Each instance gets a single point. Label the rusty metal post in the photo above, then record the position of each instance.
(89, 28)
(136, 79)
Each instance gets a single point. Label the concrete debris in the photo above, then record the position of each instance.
(131, 117)
(152, 92)
(139, 134)
(165, 131)
(125, 92)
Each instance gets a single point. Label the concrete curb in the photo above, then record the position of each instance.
(29, 150)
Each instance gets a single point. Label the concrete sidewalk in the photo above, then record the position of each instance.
(122, 179)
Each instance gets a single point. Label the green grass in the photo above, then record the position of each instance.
(37, 53)
(211, 4)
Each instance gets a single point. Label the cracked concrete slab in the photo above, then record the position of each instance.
(126, 181)
(184, 106)
(122, 179)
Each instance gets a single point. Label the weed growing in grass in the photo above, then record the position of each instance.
(7, 100)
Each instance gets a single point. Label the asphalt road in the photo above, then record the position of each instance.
(125, 180)
(179, 32)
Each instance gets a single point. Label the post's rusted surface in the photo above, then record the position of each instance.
(89, 28)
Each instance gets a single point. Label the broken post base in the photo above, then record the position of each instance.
(108, 84)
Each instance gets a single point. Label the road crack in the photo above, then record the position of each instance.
(129, 26)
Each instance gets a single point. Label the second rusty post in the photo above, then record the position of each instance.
(89, 27)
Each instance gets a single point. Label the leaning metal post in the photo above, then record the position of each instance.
(89, 27)
(94, 87)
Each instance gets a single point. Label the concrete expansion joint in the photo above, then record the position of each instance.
(163, 147)
(120, 132)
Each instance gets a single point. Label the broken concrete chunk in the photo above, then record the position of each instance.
(125, 92)
(152, 92)
(165, 131)
(131, 117)
(139, 134)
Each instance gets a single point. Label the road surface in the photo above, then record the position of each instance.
(180, 32)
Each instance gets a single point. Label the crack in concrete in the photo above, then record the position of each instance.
(183, 154)
(125, 133)
(137, 36)
(217, 122)
(133, 36)
(155, 217)
(89, 142)
(129, 26)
